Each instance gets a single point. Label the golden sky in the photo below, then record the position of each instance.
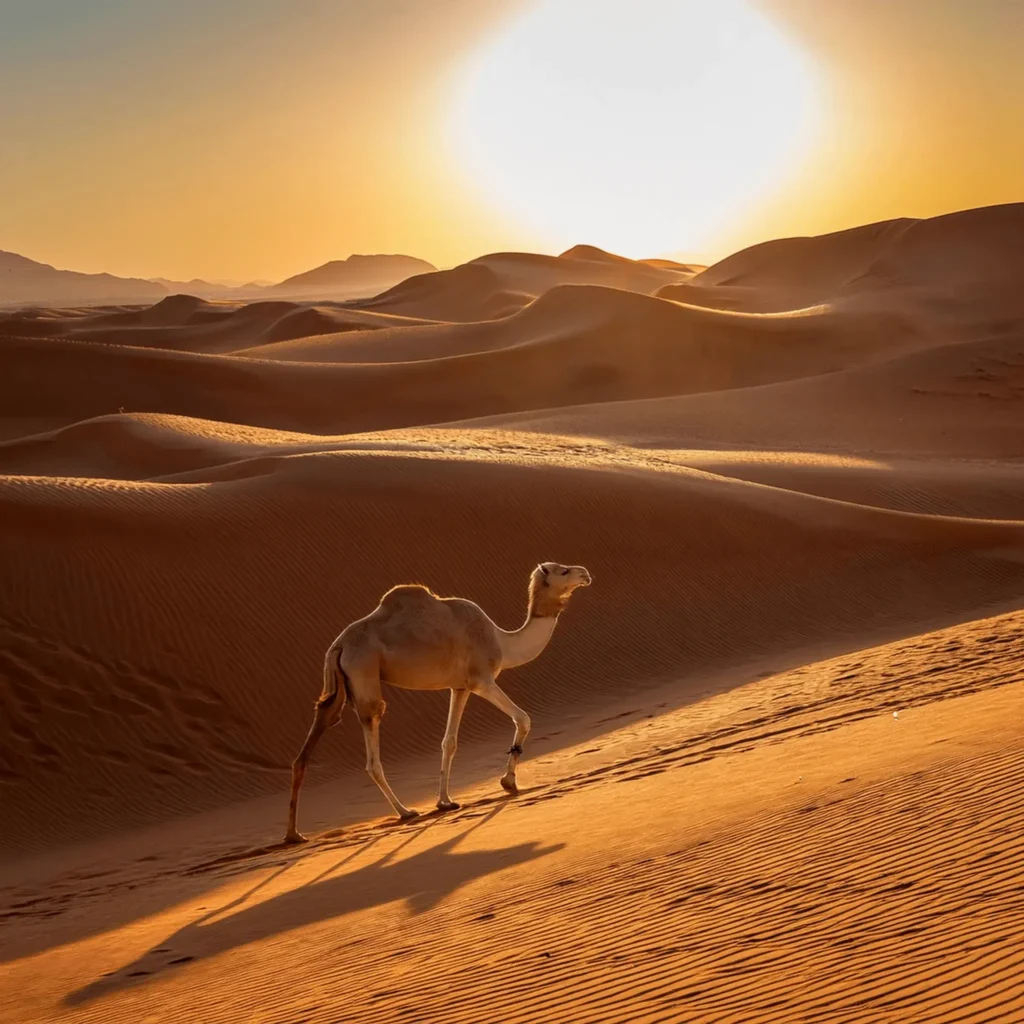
(252, 139)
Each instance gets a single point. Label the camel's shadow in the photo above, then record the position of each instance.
(423, 880)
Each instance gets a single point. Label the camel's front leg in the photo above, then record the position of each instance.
(489, 690)
(448, 747)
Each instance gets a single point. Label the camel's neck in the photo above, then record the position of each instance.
(526, 643)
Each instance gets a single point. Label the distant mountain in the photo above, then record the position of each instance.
(26, 282)
(197, 286)
(356, 277)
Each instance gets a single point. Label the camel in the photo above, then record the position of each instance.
(416, 640)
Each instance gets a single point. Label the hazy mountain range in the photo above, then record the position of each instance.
(24, 282)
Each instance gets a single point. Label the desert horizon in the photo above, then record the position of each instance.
(511, 516)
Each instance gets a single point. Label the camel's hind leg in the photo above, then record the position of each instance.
(369, 719)
(363, 674)
(327, 713)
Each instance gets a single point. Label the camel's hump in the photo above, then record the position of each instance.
(407, 592)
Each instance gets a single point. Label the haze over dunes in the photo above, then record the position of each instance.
(776, 769)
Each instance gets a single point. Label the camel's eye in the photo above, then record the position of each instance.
(565, 572)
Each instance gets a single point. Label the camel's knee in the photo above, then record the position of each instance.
(449, 745)
(371, 711)
(523, 723)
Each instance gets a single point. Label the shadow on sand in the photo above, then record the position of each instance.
(423, 880)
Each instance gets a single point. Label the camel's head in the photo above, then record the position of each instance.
(555, 581)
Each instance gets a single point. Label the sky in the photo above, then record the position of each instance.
(253, 139)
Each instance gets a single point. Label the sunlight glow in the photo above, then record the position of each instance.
(644, 127)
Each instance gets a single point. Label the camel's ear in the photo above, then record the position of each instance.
(543, 569)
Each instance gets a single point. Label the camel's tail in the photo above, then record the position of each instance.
(333, 673)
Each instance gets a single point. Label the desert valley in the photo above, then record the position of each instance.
(776, 770)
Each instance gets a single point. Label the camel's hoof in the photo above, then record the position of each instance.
(295, 837)
(509, 785)
(409, 814)
(447, 805)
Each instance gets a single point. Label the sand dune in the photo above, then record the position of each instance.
(573, 344)
(972, 256)
(162, 448)
(469, 292)
(185, 323)
(500, 284)
(823, 264)
(971, 246)
(789, 705)
(958, 400)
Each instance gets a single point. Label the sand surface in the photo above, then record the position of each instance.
(777, 763)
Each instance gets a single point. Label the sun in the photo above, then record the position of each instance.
(642, 126)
